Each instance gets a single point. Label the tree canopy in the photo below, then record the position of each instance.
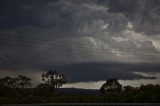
(17, 82)
(111, 85)
(53, 78)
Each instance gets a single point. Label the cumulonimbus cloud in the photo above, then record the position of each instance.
(55, 33)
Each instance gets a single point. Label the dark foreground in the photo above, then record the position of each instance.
(146, 95)
(87, 104)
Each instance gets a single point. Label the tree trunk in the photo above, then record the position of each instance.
(54, 93)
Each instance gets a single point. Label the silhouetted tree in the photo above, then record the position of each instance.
(2, 83)
(23, 81)
(7, 82)
(128, 88)
(18, 82)
(54, 78)
(111, 85)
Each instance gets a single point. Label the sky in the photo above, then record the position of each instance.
(89, 41)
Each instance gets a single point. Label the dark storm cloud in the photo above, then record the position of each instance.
(145, 14)
(95, 71)
(66, 16)
(28, 29)
(23, 13)
(69, 15)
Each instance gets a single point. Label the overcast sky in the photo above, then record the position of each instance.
(87, 40)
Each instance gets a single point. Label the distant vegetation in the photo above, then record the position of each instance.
(19, 90)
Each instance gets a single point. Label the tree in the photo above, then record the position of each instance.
(23, 81)
(128, 88)
(18, 82)
(54, 78)
(7, 82)
(111, 85)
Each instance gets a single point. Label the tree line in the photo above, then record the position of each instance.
(18, 90)
(18, 82)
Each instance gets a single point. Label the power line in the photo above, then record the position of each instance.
(83, 52)
(83, 48)
(72, 44)
(58, 44)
